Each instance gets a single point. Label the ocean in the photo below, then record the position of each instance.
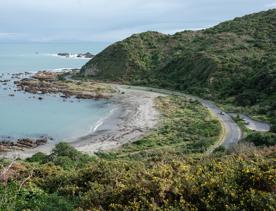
(23, 115)
(20, 57)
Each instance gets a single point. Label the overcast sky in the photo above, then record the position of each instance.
(112, 20)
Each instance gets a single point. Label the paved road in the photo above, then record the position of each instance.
(252, 124)
(232, 132)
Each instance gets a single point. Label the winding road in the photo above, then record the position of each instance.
(231, 131)
(252, 124)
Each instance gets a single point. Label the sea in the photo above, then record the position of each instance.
(23, 115)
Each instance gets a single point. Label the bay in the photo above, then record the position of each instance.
(24, 115)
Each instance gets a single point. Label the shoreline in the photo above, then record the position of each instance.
(133, 116)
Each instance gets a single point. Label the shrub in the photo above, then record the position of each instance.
(273, 127)
(220, 149)
(38, 157)
(67, 156)
(262, 139)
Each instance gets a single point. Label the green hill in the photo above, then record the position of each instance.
(233, 62)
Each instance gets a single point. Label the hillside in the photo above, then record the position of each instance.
(233, 62)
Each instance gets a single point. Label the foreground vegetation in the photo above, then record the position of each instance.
(166, 170)
(232, 63)
(67, 180)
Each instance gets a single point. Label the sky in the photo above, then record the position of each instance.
(113, 20)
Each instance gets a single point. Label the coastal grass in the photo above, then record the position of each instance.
(88, 86)
(186, 127)
(70, 87)
(85, 86)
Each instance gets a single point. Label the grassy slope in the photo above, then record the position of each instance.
(233, 62)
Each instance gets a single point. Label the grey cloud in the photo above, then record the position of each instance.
(109, 20)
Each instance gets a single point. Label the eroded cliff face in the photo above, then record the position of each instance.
(91, 70)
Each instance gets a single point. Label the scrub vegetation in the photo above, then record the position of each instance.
(167, 169)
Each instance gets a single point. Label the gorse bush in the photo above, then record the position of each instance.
(231, 182)
(63, 155)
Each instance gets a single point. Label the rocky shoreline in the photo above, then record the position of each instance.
(46, 82)
(9, 144)
(22, 144)
(134, 116)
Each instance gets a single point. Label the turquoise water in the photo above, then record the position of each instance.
(24, 115)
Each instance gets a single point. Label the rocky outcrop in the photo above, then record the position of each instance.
(64, 54)
(86, 55)
(46, 75)
(4, 81)
(22, 144)
(47, 82)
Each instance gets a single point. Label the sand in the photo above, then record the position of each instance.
(133, 117)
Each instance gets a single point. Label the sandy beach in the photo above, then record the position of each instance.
(134, 115)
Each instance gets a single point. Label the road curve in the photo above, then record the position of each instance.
(231, 131)
(252, 124)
